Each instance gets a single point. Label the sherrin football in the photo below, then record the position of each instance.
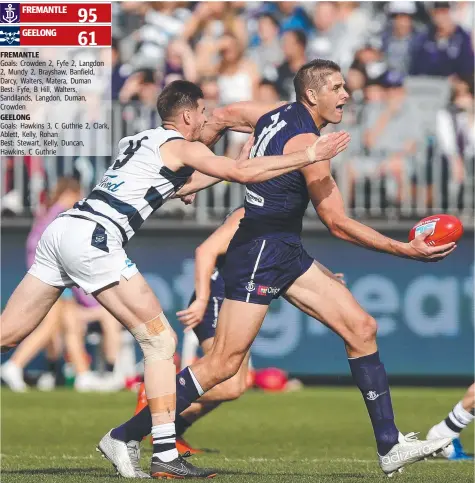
(443, 229)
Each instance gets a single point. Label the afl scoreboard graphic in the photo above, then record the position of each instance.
(55, 78)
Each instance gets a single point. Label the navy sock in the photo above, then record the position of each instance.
(370, 377)
(181, 425)
(187, 391)
(109, 367)
(140, 425)
(136, 428)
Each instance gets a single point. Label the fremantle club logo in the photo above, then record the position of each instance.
(250, 286)
(9, 13)
(9, 36)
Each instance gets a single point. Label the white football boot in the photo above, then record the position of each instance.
(449, 451)
(87, 382)
(12, 376)
(409, 450)
(125, 457)
(46, 382)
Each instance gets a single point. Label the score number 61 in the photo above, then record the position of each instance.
(87, 38)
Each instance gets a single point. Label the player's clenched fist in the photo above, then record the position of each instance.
(328, 146)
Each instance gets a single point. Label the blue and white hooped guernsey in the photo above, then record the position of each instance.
(135, 185)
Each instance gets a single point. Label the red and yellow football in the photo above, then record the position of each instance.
(443, 229)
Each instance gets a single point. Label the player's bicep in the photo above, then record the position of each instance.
(324, 193)
(299, 142)
(243, 116)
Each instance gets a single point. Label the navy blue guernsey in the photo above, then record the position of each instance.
(278, 205)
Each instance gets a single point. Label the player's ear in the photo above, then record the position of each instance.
(311, 96)
(187, 116)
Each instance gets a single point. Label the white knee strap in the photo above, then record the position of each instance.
(156, 339)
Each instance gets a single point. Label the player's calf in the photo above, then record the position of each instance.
(158, 343)
(222, 366)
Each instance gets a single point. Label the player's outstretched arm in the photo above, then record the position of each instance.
(255, 170)
(239, 116)
(328, 203)
(206, 256)
(199, 181)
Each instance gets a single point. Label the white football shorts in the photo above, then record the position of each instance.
(78, 251)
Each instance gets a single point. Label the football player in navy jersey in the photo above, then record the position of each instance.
(266, 259)
(202, 316)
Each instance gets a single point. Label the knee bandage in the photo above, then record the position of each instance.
(156, 339)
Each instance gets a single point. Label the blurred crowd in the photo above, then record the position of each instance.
(409, 68)
(240, 51)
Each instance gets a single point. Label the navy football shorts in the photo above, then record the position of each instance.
(259, 270)
(207, 327)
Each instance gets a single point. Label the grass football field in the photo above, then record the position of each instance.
(315, 435)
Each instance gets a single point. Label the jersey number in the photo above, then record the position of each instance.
(129, 152)
(266, 135)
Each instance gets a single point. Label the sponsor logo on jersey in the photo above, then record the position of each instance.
(254, 198)
(182, 381)
(109, 185)
(250, 286)
(263, 290)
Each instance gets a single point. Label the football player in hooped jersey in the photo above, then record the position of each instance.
(84, 246)
(266, 259)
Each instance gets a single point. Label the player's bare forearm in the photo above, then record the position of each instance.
(263, 168)
(364, 236)
(197, 182)
(239, 116)
(328, 203)
(215, 128)
(204, 267)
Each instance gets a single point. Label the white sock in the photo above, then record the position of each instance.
(461, 416)
(13, 366)
(164, 442)
(457, 420)
(443, 431)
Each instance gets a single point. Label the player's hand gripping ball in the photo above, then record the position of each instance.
(442, 229)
